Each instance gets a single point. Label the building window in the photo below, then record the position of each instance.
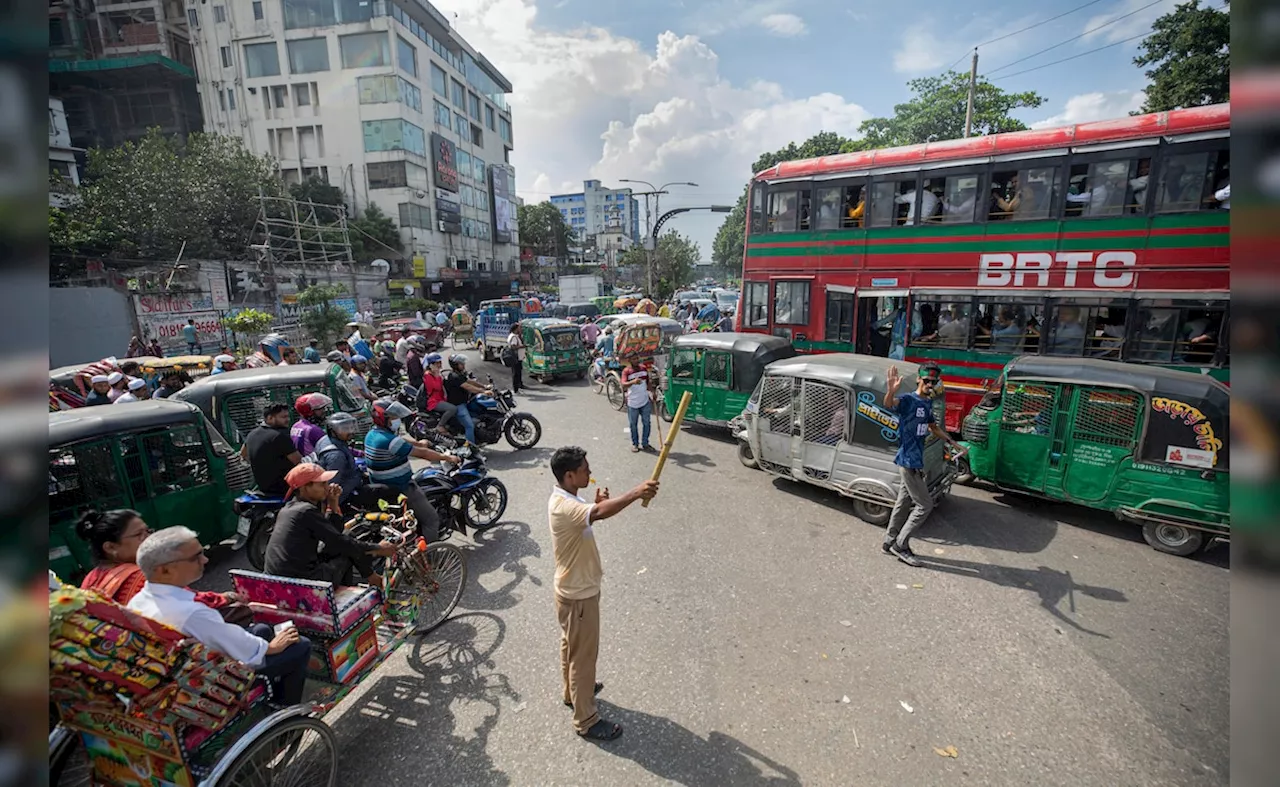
(302, 95)
(413, 215)
(309, 13)
(225, 53)
(394, 135)
(386, 175)
(261, 60)
(308, 55)
(438, 81)
(443, 115)
(477, 167)
(406, 57)
(464, 164)
(219, 14)
(490, 118)
(222, 101)
(231, 99)
(257, 10)
(461, 126)
(504, 130)
(791, 303)
(280, 96)
(473, 102)
(365, 50)
(477, 135)
(459, 94)
(193, 18)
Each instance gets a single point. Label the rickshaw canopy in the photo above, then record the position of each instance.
(845, 369)
(87, 423)
(751, 352)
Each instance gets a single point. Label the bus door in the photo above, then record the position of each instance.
(1029, 416)
(882, 322)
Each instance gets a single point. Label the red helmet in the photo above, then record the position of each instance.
(312, 406)
(387, 410)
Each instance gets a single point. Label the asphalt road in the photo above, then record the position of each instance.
(754, 634)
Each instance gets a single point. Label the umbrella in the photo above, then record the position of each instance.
(709, 313)
(646, 306)
(625, 302)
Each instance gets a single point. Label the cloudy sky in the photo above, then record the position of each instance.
(695, 90)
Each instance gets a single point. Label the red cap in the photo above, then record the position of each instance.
(305, 473)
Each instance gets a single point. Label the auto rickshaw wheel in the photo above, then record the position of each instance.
(871, 513)
(669, 416)
(745, 455)
(1173, 539)
(582, 373)
(964, 474)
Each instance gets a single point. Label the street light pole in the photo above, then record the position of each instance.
(657, 209)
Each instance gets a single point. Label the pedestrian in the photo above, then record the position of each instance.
(155, 349)
(191, 335)
(170, 383)
(135, 348)
(137, 392)
(513, 357)
(915, 421)
(590, 332)
(577, 582)
(312, 353)
(635, 382)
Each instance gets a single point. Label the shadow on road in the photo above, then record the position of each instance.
(511, 459)
(964, 521)
(1051, 585)
(672, 752)
(503, 547)
(436, 723)
(690, 461)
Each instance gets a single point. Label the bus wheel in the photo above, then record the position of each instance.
(745, 456)
(871, 513)
(1173, 539)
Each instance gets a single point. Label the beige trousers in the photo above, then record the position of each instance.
(579, 646)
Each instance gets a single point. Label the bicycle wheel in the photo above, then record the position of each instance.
(436, 577)
(613, 391)
(299, 752)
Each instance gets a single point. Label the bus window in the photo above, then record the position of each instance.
(784, 210)
(757, 209)
(1065, 335)
(960, 199)
(1185, 183)
(1156, 335)
(855, 206)
(1009, 327)
(1095, 328)
(1108, 188)
(882, 326)
(791, 303)
(830, 202)
(942, 322)
(892, 201)
(1221, 180)
(755, 299)
(1022, 194)
(1166, 332)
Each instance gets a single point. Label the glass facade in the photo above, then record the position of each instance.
(308, 55)
(406, 57)
(261, 60)
(389, 89)
(394, 134)
(365, 50)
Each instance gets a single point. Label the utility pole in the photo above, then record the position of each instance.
(973, 83)
(648, 217)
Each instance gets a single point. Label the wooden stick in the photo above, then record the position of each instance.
(685, 399)
(656, 398)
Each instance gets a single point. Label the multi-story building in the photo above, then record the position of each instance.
(383, 99)
(62, 154)
(599, 211)
(121, 67)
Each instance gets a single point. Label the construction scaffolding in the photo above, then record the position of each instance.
(290, 230)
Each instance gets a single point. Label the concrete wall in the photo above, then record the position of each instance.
(87, 323)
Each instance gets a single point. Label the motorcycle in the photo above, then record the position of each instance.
(463, 496)
(499, 419)
(257, 514)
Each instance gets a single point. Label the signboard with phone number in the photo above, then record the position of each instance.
(168, 327)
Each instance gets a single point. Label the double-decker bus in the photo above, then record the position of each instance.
(1104, 240)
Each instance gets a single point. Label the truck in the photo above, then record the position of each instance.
(580, 289)
(493, 322)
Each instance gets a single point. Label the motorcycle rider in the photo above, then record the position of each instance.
(388, 367)
(433, 390)
(359, 371)
(459, 389)
(312, 409)
(386, 455)
(333, 452)
(413, 362)
(269, 352)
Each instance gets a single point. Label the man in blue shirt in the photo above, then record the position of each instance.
(915, 422)
(191, 335)
(386, 456)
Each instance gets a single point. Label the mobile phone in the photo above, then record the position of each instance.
(283, 627)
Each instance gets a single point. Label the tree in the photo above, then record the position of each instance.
(315, 190)
(938, 110)
(247, 322)
(673, 263)
(1188, 49)
(323, 321)
(543, 229)
(373, 234)
(145, 199)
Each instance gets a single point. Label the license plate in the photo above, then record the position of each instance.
(242, 528)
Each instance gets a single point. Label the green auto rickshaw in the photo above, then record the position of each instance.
(720, 370)
(1146, 443)
(234, 401)
(159, 457)
(553, 348)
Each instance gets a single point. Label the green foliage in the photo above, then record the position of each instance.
(423, 305)
(249, 322)
(373, 235)
(323, 321)
(144, 199)
(543, 229)
(938, 109)
(315, 190)
(1188, 49)
(673, 263)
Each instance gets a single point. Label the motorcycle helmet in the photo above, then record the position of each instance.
(457, 362)
(313, 406)
(433, 358)
(359, 361)
(388, 347)
(341, 425)
(271, 346)
(335, 356)
(387, 410)
(418, 343)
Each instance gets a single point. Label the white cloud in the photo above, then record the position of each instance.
(1087, 107)
(786, 25)
(1129, 26)
(589, 104)
(920, 51)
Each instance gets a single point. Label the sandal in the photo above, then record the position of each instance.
(602, 731)
(599, 687)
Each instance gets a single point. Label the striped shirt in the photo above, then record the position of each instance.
(386, 455)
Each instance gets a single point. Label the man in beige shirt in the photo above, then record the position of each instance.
(577, 582)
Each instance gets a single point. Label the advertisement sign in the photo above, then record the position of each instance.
(218, 291)
(168, 328)
(546, 262)
(444, 160)
(504, 207)
(419, 267)
(1191, 434)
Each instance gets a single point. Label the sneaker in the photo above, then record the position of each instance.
(635, 449)
(905, 555)
(886, 548)
(649, 448)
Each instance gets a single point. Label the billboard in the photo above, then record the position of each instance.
(504, 207)
(444, 160)
(449, 212)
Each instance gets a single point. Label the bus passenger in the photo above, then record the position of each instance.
(854, 213)
(1067, 337)
(928, 204)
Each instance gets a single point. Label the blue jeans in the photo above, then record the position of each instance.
(467, 419)
(287, 670)
(634, 414)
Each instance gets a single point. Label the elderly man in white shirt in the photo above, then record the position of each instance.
(172, 559)
(928, 205)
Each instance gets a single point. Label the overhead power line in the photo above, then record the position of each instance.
(1108, 23)
(1025, 29)
(1073, 57)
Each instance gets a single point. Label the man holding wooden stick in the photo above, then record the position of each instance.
(577, 582)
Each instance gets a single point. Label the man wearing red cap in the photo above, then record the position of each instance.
(314, 517)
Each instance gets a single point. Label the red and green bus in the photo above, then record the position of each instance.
(1106, 239)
